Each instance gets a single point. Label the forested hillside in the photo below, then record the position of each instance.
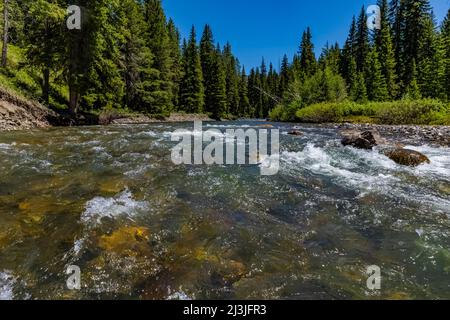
(128, 55)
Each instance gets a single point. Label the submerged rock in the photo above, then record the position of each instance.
(295, 133)
(362, 140)
(406, 157)
(130, 241)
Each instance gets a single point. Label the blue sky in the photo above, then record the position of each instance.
(270, 28)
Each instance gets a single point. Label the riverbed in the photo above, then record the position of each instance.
(110, 201)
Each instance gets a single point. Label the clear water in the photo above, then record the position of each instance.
(109, 200)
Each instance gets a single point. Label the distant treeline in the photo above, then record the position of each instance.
(127, 55)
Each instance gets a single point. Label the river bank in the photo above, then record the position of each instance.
(407, 134)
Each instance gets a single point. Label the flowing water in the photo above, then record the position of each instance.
(109, 200)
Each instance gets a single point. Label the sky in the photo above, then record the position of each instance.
(271, 28)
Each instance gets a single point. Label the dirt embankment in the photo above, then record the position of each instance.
(17, 113)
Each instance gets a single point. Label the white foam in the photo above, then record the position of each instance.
(7, 282)
(121, 205)
(5, 146)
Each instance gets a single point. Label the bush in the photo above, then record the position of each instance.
(419, 112)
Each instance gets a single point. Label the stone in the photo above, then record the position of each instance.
(129, 241)
(406, 157)
(362, 140)
(295, 133)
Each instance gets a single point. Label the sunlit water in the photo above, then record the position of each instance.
(109, 200)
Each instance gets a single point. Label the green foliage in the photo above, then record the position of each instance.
(192, 95)
(419, 112)
(307, 57)
(376, 83)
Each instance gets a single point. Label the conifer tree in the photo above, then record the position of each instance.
(430, 62)
(191, 87)
(349, 53)
(284, 76)
(218, 86)
(244, 102)
(386, 52)
(93, 73)
(307, 57)
(362, 46)
(415, 14)
(136, 58)
(232, 80)
(360, 91)
(445, 43)
(157, 39)
(175, 59)
(412, 90)
(352, 82)
(375, 81)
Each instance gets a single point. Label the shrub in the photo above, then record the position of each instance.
(419, 112)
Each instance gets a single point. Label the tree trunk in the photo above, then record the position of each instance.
(46, 85)
(5, 33)
(73, 100)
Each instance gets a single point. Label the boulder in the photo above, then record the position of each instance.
(362, 140)
(295, 133)
(406, 157)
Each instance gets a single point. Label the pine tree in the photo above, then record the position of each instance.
(136, 57)
(330, 58)
(207, 54)
(175, 57)
(349, 53)
(445, 43)
(244, 102)
(415, 14)
(352, 82)
(218, 96)
(191, 87)
(412, 90)
(375, 81)
(93, 74)
(386, 52)
(362, 46)
(360, 91)
(307, 57)
(157, 39)
(430, 62)
(284, 76)
(232, 80)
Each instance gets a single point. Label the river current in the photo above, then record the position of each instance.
(110, 201)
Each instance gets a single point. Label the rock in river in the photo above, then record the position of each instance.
(361, 140)
(406, 157)
(295, 133)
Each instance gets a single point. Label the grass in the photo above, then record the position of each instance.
(26, 82)
(414, 112)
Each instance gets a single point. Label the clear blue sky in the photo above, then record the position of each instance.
(270, 28)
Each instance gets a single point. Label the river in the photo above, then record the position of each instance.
(110, 201)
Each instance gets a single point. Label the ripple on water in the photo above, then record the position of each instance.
(370, 171)
(121, 205)
(7, 282)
